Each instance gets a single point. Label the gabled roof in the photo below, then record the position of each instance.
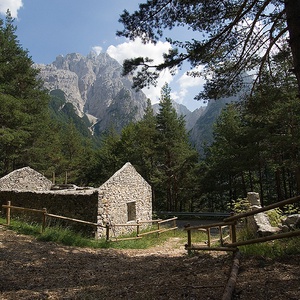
(25, 179)
(128, 173)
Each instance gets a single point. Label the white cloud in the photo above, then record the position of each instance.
(183, 90)
(187, 83)
(12, 5)
(136, 48)
(97, 49)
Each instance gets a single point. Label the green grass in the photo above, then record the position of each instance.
(273, 249)
(68, 237)
(270, 249)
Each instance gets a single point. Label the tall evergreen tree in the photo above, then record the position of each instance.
(175, 156)
(21, 92)
(256, 145)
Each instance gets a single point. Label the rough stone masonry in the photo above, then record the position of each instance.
(122, 199)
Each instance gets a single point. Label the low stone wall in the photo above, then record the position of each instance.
(124, 198)
(80, 205)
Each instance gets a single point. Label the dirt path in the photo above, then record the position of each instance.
(38, 270)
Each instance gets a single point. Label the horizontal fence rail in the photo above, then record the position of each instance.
(139, 235)
(108, 227)
(194, 214)
(231, 222)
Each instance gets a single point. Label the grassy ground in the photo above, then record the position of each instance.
(68, 237)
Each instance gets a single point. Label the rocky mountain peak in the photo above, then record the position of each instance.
(95, 86)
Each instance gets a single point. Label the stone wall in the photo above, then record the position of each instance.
(25, 179)
(80, 205)
(124, 198)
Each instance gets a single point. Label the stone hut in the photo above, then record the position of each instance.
(123, 198)
(25, 179)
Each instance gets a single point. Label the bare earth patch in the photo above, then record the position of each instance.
(39, 270)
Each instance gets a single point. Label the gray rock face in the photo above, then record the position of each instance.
(95, 86)
(259, 222)
(291, 222)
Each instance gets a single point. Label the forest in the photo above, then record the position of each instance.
(256, 140)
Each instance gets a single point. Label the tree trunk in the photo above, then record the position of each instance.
(292, 10)
(278, 184)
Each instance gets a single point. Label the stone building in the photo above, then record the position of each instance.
(123, 198)
(25, 179)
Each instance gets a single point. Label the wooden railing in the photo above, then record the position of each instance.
(108, 227)
(138, 225)
(231, 223)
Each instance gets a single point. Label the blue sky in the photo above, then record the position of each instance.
(48, 28)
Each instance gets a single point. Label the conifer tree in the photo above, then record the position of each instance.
(24, 113)
(175, 156)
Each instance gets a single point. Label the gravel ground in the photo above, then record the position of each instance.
(41, 270)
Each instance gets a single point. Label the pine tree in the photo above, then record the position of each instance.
(175, 157)
(24, 111)
(231, 38)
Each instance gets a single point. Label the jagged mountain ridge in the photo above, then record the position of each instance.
(94, 85)
(96, 88)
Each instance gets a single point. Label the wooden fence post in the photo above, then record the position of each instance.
(137, 228)
(44, 219)
(189, 238)
(221, 235)
(233, 233)
(107, 231)
(208, 237)
(189, 232)
(174, 224)
(8, 213)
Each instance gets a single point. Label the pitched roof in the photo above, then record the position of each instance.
(25, 179)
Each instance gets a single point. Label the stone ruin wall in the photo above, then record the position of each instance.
(73, 204)
(28, 188)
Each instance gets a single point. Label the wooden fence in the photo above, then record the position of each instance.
(231, 224)
(138, 225)
(108, 227)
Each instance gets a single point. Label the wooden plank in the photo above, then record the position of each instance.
(126, 239)
(72, 219)
(194, 247)
(150, 221)
(168, 220)
(266, 238)
(23, 208)
(265, 208)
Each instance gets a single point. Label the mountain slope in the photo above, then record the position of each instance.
(95, 86)
(202, 133)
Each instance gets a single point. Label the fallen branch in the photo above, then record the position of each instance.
(227, 295)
